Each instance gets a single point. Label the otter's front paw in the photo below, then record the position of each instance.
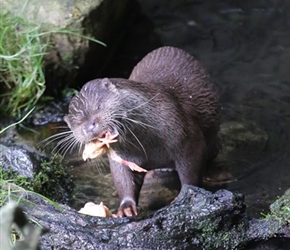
(127, 208)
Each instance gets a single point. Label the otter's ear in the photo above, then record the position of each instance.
(106, 83)
(66, 119)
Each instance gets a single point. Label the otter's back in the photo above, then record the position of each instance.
(184, 77)
(169, 63)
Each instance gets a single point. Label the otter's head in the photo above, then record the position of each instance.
(92, 112)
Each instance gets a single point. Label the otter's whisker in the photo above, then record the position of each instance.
(134, 121)
(67, 143)
(58, 149)
(120, 128)
(139, 123)
(139, 142)
(122, 133)
(53, 138)
(142, 104)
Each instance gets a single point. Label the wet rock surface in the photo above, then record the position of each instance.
(16, 159)
(197, 219)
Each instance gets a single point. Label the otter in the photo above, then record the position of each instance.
(167, 114)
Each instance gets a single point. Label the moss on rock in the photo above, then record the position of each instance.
(52, 180)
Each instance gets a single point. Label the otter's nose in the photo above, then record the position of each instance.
(91, 129)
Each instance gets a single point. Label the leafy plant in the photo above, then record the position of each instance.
(21, 64)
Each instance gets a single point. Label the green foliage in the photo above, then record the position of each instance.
(53, 180)
(21, 181)
(22, 49)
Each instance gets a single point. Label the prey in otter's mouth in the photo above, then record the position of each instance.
(100, 146)
(96, 148)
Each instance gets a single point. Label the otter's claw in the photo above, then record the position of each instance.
(127, 209)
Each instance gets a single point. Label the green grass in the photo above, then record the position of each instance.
(22, 49)
(13, 192)
(18, 122)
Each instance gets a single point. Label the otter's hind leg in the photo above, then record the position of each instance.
(191, 160)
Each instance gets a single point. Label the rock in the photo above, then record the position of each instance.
(61, 14)
(52, 112)
(197, 219)
(26, 166)
(281, 207)
(16, 159)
